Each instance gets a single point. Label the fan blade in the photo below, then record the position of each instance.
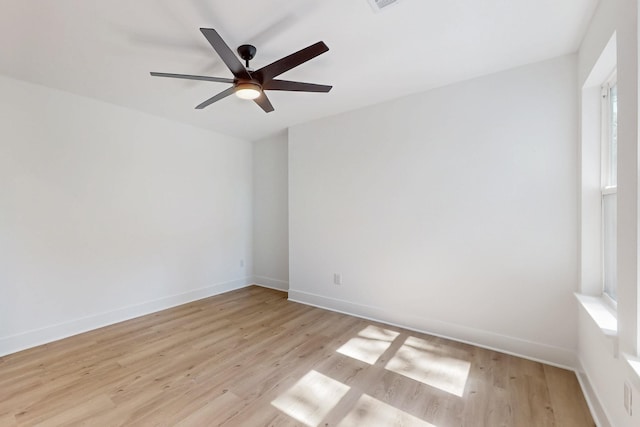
(190, 77)
(280, 66)
(218, 97)
(264, 103)
(295, 86)
(227, 55)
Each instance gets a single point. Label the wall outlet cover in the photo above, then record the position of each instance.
(628, 398)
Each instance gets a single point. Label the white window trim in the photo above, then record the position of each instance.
(613, 304)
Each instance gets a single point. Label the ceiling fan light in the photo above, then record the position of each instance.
(248, 91)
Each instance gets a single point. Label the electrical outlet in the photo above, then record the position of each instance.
(628, 398)
(337, 279)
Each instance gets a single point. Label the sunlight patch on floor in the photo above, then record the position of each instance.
(369, 411)
(416, 359)
(369, 344)
(311, 398)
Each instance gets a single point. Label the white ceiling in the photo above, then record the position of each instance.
(106, 49)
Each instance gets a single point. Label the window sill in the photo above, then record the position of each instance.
(606, 318)
(601, 313)
(633, 363)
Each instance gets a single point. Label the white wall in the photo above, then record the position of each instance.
(604, 372)
(107, 213)
(270, 212)
(451, 211)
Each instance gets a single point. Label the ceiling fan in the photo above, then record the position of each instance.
(250, 84)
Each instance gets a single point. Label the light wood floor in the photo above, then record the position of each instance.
(251, 358)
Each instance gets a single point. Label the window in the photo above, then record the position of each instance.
(609, 173)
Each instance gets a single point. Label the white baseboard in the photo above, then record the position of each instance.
(556, 356)
(268, 282)
(591, 396)
(15, 343)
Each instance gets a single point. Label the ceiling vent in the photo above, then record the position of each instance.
(378, 5)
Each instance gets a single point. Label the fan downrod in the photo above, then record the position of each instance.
(247, 52)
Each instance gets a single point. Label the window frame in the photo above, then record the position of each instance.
(608, 180)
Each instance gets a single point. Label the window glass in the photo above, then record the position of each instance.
(609, 189)
(612, 173)
(609, 244)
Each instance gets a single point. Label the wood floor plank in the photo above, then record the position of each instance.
(569, 405)
(252, 358)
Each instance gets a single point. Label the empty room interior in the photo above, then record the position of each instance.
(336, 213)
